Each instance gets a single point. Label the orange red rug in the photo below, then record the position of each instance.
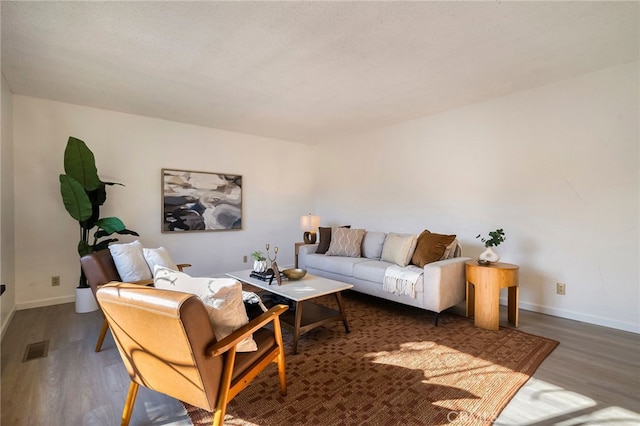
(394, 368)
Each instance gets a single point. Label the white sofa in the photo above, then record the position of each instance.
(440, 287)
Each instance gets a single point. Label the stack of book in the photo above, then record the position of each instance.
(265, 276)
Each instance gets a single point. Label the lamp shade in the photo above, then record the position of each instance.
(309, 224)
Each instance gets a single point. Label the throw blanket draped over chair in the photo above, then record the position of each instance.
(402, 281)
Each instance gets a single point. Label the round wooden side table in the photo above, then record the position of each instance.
(483, 292)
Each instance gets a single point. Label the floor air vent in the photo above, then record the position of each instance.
(36, 350)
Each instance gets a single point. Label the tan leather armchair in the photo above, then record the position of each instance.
(99, 269)
(167, 344)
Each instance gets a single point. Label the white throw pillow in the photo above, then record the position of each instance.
(170, 279)
(129, 261)
(226, 310)
(222, 297)
(159, 256)
(398, 248)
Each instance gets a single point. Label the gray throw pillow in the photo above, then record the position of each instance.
(372, 245)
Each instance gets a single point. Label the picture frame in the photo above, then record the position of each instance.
(194, 201)
(276, 273)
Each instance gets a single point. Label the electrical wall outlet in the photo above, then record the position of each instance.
(560, 288)
(244, 259)
(55, 281)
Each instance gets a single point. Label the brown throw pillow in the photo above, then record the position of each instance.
(430, 248)
(325, 240)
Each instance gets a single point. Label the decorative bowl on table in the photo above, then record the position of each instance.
(294, 273)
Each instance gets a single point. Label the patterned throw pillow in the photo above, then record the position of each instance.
(325, 239)
(346, 242)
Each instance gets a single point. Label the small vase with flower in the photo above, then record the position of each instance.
(494, 239)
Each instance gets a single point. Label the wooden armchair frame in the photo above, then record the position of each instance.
(231, 381)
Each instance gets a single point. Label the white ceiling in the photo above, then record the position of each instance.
(304, 71)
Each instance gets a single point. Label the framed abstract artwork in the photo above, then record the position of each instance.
(200, 201)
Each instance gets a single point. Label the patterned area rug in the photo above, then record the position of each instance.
(394, 368)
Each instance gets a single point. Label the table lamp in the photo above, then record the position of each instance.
(309, 224)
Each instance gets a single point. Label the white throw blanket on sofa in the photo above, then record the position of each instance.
(402, 281)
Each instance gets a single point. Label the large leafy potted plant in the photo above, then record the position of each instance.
(83, 193)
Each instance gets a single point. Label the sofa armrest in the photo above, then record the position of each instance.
(303, 251)
(445, 283)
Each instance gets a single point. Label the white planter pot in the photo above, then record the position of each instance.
(259, 265)
(85, 301)
(489, 255)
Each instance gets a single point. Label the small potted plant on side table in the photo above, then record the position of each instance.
(494, 239)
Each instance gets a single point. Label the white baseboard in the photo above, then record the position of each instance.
(45, 302)
(578, 316)
(7, 322)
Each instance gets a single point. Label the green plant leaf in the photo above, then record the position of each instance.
(128, 232)
(100, 233)
(84, 248)
(98, 196)
(110, 225)
(75, 198)
(104, 244)
(80, 164)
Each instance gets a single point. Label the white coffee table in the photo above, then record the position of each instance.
(307, 315)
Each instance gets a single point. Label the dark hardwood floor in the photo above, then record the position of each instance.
(591, 378)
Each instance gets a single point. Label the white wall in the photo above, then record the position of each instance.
(556, 167)
(7, 259)
(132, 150)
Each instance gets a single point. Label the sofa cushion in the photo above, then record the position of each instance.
(372, 245)
(398, 248)
(371, 270)
(346, 242)
(431, 247)
(374, 271)
(336, 264)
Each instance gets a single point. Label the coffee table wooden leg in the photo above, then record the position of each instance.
(342, 312)
(296, 327)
